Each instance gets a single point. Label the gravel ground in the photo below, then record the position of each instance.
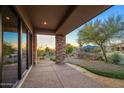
(95, 64)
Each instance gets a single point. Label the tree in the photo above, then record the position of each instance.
(40, 53)
(69, 49)
(7, 49)
(99, 32)
(47, 51)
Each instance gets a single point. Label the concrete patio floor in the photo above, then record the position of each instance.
(47, 74)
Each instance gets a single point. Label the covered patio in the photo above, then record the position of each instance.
(58, 21)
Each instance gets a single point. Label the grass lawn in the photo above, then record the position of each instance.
(102, 69)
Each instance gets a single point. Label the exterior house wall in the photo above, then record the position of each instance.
(120, 47)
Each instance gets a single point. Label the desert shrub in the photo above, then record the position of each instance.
(53, 58)
(41, 57)
(69, 49)
(115, 58)
(7, 62)
(95, 50)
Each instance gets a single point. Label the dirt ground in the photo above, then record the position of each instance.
(95, 64)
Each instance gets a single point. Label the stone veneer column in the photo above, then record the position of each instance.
(34, 49)
(60, 43)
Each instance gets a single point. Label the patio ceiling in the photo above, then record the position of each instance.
(61, 19)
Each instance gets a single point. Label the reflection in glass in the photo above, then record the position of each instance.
(30, 50)
(10, 48)
(24, 49)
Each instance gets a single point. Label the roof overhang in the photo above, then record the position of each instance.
(80, 16)
(61, 19)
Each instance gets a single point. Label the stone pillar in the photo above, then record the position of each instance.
(60, 43)
(34, 49)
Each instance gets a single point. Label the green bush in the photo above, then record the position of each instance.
(53, 58)
(69, 49)
(115, 58)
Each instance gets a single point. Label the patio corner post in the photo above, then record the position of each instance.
(34, 48)
(60, 44)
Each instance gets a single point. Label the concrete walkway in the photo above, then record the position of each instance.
(47, 74)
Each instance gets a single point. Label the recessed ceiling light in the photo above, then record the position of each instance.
(44, 22)
(7, 18)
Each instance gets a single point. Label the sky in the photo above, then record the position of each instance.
(12, 39)
(114, 10)
(49, 41)
(46, 41)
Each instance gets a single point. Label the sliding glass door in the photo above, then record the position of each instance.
(9, 47)
(30, 50)
(15, 47)
(0, 49)
(24, 49)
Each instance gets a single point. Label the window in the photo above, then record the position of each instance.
(0, 49)
(30, 50)
(24, 48)
(9, 47)
(15, 47)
